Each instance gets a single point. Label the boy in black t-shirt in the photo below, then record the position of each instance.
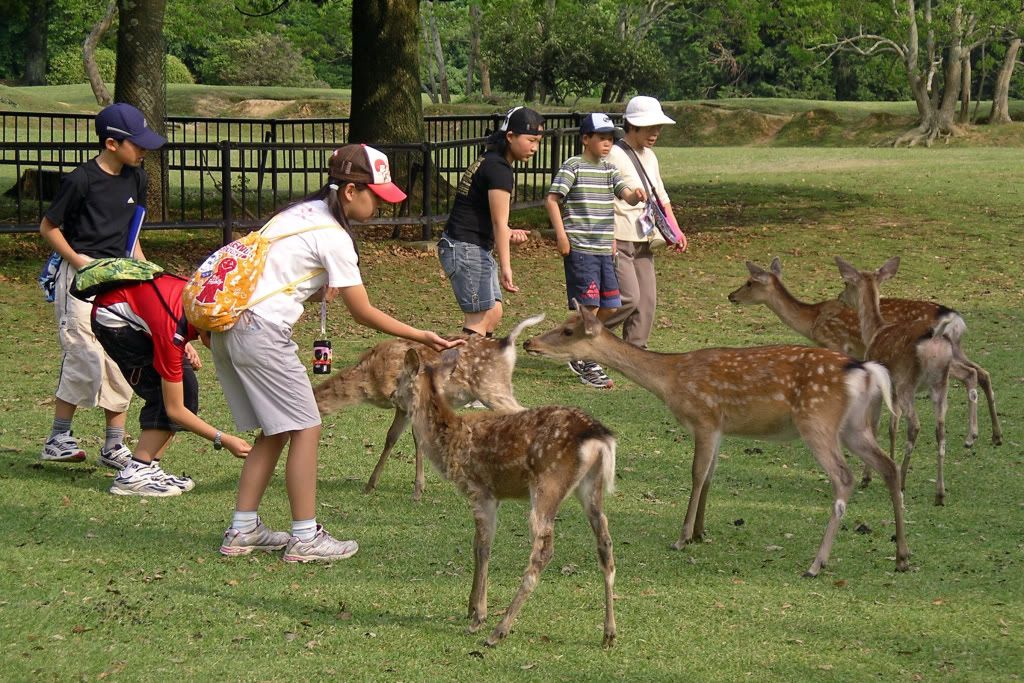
(90, 219)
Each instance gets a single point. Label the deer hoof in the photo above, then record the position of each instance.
(499, 634)
(940, 500)
(369, 488)
(997, 440)
(902, 565)
(609, 640)
(474, 627)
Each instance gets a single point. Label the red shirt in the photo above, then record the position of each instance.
(155, 309)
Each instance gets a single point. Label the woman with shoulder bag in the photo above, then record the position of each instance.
(635, 237)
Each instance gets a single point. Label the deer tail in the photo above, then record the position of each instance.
(951, 326)
(880, 381)
(532, 320)
(608, 464)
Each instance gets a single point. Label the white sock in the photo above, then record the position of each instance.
(135, 464)
(245, 521)
(304, 529)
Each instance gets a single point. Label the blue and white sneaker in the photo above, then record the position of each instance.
(143, 480)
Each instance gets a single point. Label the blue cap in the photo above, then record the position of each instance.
(596, 123)
(124, 122)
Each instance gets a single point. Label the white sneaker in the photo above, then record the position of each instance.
(62, 448)
(261, 538)
(115, 458)
(323, 547)
(183, 482)
(144, 480)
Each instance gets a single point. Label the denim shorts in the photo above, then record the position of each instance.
(591, 280)
(472, 272)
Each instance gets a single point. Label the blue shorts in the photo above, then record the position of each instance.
(472, 272)
(591, 280)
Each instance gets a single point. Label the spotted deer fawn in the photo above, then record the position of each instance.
(777, 392)
(915, 353)
(484, 372)
(543, 454)
(834, 325)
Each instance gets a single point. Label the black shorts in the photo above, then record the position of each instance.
(132, 350)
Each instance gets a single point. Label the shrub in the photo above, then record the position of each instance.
(176, 71)
(260, 59)
(67, 68)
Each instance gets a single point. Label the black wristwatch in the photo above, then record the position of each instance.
(217, 445)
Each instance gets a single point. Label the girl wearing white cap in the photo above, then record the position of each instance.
(264, 381)
(634, 265)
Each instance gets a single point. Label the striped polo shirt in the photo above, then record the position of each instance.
(588, 192)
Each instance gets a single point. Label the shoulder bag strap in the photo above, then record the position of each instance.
(644, 178)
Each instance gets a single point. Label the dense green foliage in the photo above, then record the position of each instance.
(555, 51)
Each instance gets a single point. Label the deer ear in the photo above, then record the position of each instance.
(776, 267)
(754, 269)
(889, 268)
(449, 359)
(849, 273)
(412, 361)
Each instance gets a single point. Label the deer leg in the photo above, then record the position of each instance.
(398, 426)
(863, 443)
(830, 456)
(485, 512)
(876, 416)
(705, 451)
(419, 483)
(939, 392)
(967, 374)
(913, 429)
(542, 527)
(591, 494)
(985, 380)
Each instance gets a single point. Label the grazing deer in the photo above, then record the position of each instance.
(774, 392)
(484, 372)
(543, 454)
(834, 325)
(915, 353)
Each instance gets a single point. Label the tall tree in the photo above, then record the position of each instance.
(140, 79)
(1001, 92)
(386, 104)
(35, 46)
(92, 71)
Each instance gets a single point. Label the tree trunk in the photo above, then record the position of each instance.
(474, 46)
(1001, 93)
(442, 70)
(964, 115)
(386, 104)
(140, 81)
(99, 89)
(431, 86)
(35, 47)
(485, 78)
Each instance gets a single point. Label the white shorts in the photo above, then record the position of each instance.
(264, 382)
(88, 376)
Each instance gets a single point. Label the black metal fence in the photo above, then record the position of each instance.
(233, 173)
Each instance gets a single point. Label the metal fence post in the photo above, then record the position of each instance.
(428, 204)
(225, 188)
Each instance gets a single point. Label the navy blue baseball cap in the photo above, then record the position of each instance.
(122, 121)
(596, 123)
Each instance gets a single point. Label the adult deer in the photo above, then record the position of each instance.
(824, 397)
(484, 372)
(543, 454)
(834, 325)
(915, 353)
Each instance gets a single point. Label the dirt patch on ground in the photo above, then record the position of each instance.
(259, 109)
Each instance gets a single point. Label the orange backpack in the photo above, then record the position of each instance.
(222, 287)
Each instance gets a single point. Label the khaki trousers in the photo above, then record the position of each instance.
(634, 267)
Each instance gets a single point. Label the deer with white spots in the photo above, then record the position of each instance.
(484, 372)
(835, 325)
(915, 353)
(543, 454)
(824, 397)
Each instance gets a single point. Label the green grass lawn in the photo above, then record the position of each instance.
(95, 586)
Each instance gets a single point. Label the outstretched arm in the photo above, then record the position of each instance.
(365, 313)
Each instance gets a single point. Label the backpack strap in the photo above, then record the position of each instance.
(644, 178)
(288, 287)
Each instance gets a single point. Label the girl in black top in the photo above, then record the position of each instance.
(478, 223)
